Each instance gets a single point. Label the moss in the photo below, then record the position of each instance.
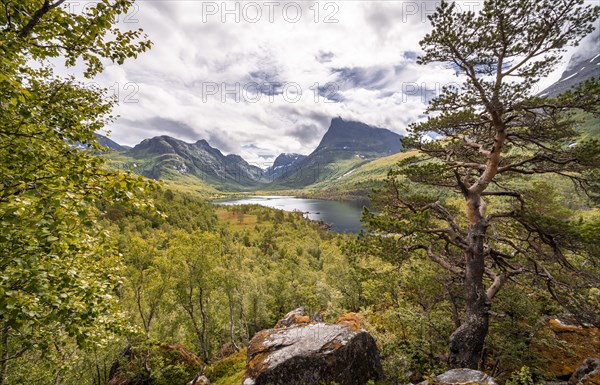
(229, 370)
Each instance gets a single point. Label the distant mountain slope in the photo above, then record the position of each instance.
(345, 146)
(283, 165)
(166, 158)
(357, 183)
(584, 64)
(110, 144)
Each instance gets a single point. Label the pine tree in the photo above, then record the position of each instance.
(493, 132)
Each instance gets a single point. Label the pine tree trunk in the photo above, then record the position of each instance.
(467, 341)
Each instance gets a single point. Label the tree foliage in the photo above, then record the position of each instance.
(59, 267)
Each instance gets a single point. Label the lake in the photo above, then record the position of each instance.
(343, 217)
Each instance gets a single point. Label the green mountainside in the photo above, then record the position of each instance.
(169, 159)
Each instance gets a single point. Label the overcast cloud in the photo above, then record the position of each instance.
(270, 81)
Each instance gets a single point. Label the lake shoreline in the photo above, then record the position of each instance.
(340, 216)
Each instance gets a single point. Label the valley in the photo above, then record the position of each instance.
(429, 215)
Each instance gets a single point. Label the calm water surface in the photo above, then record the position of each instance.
(344, 217)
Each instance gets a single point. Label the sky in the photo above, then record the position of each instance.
(258, 78)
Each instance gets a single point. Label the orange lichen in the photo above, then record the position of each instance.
(353, 320)
(256, 364)
(574, 345)
(257, 344)
(292, 319)
(301, 319)
(558, 326)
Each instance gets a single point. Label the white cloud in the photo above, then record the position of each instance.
(367, 49)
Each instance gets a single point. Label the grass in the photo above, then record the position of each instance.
(590, 127)
(236, 220)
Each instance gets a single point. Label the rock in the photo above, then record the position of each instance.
(462, 377)
(575, 343)
(312, 354)
(295, 317)
(317, 317)
(225, 351)
(199, 380)
(587, 373)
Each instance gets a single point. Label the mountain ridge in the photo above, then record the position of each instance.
(346, 143)
(162, 156)
(583, 65)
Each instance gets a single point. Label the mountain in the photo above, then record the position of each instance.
(109, 145)
(359, 138)
(167, 158)
(584, 64)
(345, 146)
(283, 165)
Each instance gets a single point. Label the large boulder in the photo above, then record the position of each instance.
(462, 377)
(303, 353)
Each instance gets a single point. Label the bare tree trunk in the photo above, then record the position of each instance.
(455, 313)
(254, 316)
(467, 341)
(246, 337)
(203, 346)
(231, 323)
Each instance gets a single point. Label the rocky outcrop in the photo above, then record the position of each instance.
(301, 353)
(295, 317)
(462, 377)
(574, 344)
(588, 373)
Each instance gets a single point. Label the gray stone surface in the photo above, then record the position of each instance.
(462, 377)
(312, 354)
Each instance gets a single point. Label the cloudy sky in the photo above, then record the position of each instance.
(265, 77)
